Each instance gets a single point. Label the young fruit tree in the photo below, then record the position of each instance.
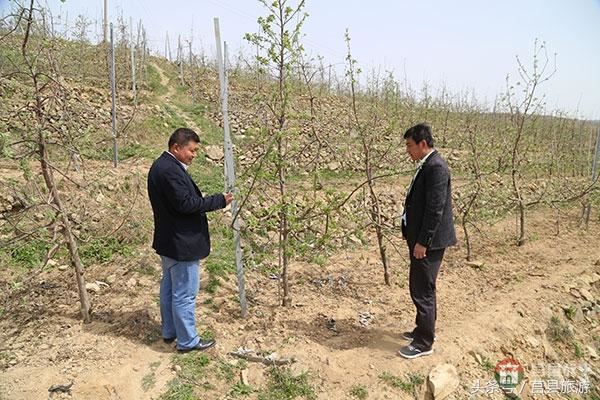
(46, 120)
(367, 142)
(524, 107)
(279, 37)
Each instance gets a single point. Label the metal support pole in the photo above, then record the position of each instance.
(588, 205)
(114, 100)
(180, 59)
(133, 85)
(192, 75)
(169, 48)
(230, 170)
(144, 64)
(105, 22)
(167, 45)
(229, 164)
(596, 157)
(139, 34)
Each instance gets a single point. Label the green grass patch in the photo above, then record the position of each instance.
(487, 364)
(221, 261)
(162, 122)
(570, 312)
(10, 55)
(154, 83)
(213, 284)
(4, 151)
(209, 178)
(319, 259)
(197, 112)
(577, 350)
(105, 152)
(172, 117)
(28, 254)
(103, 250)
(149, 380)
(558, 331)
(240, 390)
(179, 390)
(207, 334)
(205, 374)
(283, 385)
(155, 126)
(6, 356)
(198, 368)
(359, 391)
(137, 150)
(227, 371)
(192, 364)
(407, 385)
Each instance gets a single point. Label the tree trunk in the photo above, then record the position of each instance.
(467, 238)
(67, 232)
(521, 240)
(382, 254)
(376, 212)
(47, 173)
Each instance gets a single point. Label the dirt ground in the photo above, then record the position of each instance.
(499, 309)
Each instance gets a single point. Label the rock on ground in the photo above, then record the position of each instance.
(443, 380)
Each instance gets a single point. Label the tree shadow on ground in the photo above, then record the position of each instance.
(136, 325)
(51, 304)
(347, 334)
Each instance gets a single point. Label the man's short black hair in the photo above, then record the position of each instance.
(183, 136)
(420, 132)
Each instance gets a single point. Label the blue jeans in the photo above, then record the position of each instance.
(178, 290)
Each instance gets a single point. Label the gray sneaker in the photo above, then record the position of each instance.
(411, 352)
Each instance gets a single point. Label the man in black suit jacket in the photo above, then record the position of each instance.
(428, 227)
(181, 237)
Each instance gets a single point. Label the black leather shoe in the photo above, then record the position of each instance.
(169, 340)
(201, 346)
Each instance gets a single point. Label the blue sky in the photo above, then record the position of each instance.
(462, 44)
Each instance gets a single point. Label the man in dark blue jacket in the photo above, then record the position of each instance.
(181, 237)
(428, 227)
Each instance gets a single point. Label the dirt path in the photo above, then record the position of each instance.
(166, 98)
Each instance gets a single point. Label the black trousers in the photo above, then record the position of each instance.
(422, 277)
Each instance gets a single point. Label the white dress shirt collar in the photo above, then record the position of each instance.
(422, 160)
(185, 166)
